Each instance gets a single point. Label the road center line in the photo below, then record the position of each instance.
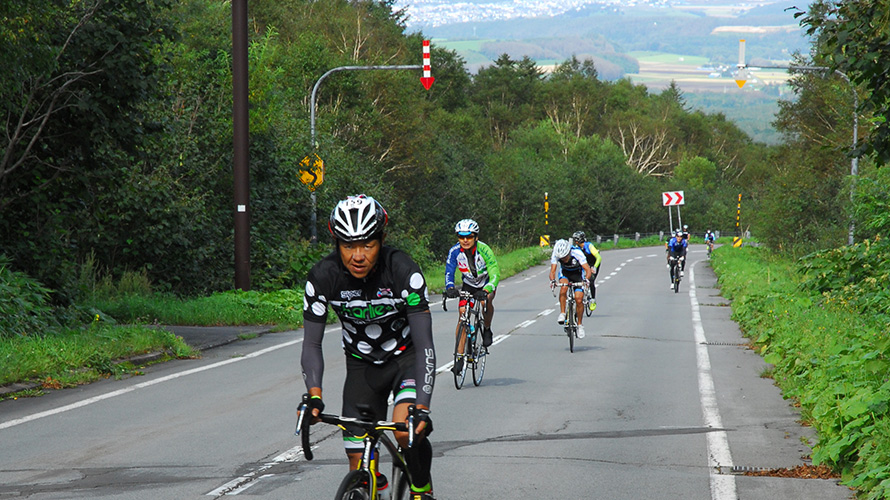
(722, 485)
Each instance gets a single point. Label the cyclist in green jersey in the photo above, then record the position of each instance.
(479, 270)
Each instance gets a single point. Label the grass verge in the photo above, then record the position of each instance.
(827, 357)
(71, 357)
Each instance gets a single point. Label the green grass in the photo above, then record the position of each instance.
(828, 356)
(283, 307)
(69, 357)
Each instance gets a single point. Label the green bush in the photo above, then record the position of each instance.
(806, 320)
(25, 306)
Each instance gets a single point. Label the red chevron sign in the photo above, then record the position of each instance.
(672, 198)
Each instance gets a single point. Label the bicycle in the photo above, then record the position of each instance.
(710, 248)
(570, 326)
(361, 483)
(675, 272)
(471, 325)
(588, 298)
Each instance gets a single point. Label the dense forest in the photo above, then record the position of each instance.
(118, 144)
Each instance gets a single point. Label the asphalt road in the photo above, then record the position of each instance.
(661, 400)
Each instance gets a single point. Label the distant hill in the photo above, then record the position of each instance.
(607, 34)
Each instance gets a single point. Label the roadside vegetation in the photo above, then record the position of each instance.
(122, 320)
(822, 321)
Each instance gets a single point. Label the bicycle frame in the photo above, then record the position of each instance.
(470, 323)
(375, 434)
(675, 270)
(571, 326)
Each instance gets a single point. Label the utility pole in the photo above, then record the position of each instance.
(241, 128)
(314, 235)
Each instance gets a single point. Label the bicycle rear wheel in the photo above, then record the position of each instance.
(354, 486)
(459, 358)
(478, 353)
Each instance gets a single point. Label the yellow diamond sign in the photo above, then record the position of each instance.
(312, 171)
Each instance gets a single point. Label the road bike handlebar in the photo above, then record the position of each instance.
(369, 426)
(578, 284)
(462, 294)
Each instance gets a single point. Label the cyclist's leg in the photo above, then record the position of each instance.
(593, 283)
(579, 304)
(489, 309)
(487, 334)
(359, 393)
(419, 458)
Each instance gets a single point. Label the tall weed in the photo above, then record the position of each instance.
(25, 306)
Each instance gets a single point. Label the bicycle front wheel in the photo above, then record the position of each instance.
(479, 355)
(570, 323)
(587, 299)
(354, 486)
(459, 359)
(403, 489)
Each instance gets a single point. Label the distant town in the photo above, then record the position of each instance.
(432, 13)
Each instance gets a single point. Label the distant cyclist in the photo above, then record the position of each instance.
(676, 248)
(480, 274)
(709, 239)
(573, 268)
(380, 296)
(594, 259)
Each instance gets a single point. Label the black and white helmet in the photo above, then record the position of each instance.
(579, 237)
(356, 218)
(561, 248)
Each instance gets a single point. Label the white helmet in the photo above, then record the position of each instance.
(561, 248)
(356, 218)
(466, 226)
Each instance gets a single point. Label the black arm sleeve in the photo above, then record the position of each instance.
(312, 359)
(425, 355)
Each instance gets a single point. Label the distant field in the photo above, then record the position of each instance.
(660, 57)
(751, 107)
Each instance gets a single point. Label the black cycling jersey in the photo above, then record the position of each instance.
(374, 309)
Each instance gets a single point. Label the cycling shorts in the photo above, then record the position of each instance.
(369, 386)
(572, 276)
(467, 288)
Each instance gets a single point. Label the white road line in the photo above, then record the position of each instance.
(722, 485)
(142, 385)
(524, 324)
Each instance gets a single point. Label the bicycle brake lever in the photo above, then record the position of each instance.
(410, 428)
(301, 412)
(303, 428)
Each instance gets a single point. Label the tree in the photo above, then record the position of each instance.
(76, 70)
(508, 92)
(854, 38)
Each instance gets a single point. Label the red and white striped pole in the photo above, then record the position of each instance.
(427, 80)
